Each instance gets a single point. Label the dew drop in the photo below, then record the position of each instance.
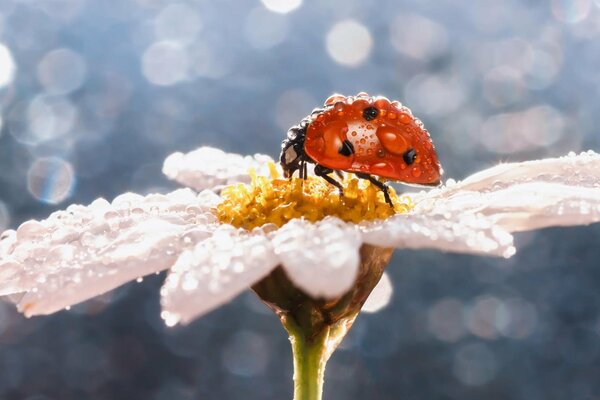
(171, 319)
(111, 215)
(404, 118)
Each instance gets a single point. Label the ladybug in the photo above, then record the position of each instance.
(368, 136)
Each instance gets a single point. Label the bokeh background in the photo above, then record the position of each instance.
(95, 94)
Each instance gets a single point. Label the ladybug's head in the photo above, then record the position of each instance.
(372, 135)
(292, 155)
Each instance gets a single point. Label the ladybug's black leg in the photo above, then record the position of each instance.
(323, 173)
(384, 188)
(305, 170)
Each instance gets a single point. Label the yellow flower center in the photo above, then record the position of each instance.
(276, 200)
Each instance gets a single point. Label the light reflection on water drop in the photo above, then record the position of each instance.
(50, 180)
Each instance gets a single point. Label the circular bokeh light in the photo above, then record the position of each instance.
(282, 6)
(165, 63)
(62, 71)
(7, 66)
(50, 180)
(349, 43)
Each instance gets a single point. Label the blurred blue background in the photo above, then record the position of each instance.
(95, 94)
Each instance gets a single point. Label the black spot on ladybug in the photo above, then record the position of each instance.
(370, 113)
(409, 156)
(346, 149)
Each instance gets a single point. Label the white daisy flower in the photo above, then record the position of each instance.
(312, 256)
(85, 251)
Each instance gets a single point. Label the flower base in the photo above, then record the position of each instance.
(317, 326)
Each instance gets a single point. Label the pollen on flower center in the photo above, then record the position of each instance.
(276, 200)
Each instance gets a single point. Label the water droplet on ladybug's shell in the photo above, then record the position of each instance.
(339, 106)
(353, 133)
(363, 141)
(391, 140)
(392, 115)
(360, 104)
(382, 102)
(369, 151)
(335, 98)
(405, 118)
(416, 172)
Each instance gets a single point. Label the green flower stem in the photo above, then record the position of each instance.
(311, 351)
(310, 358)
(317, 326)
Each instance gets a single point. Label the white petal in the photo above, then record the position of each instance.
(322, 258)
(214, 272)
(529, 195)
(456, 232)
(380, 296)
(210, 168)
(85, 251)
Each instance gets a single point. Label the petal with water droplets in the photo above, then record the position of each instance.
(214, 272)
(322, 258)
(85, 251)
(455, 232)
(210, 168)
(523, 196)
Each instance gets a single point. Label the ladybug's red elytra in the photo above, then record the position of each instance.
(368, 136)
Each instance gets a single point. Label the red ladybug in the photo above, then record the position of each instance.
(368, 136)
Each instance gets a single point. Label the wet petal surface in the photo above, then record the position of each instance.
(85, 251)
(214, 272)
(523, 196)
(210, 168)
(453, 232)
(322, 258)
